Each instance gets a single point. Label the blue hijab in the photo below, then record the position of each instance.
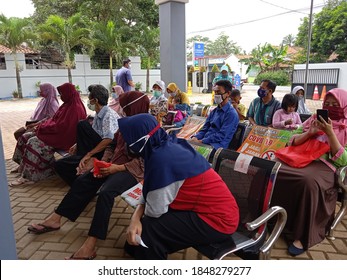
(167, 159)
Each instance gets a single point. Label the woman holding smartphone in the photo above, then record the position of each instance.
(309, 194)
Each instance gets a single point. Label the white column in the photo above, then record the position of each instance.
(173, 59)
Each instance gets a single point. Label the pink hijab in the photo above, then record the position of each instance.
(48, 105)
(339, 126)
(114, 104)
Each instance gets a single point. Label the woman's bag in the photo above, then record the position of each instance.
(301, 155)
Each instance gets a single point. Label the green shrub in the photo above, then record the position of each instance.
(281, 78)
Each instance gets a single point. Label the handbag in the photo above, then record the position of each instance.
(301, 155)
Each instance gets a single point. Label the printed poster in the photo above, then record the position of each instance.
(263, 141)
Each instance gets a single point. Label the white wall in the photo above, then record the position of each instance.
(342, 82)
(82, 75)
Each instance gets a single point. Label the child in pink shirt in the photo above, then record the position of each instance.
(287, 117)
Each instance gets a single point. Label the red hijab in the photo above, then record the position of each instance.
(60, 131)
(134, 102)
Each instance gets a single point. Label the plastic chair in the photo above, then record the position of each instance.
(238, 137)
(252, 191)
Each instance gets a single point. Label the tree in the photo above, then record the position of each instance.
(108, 38)
(67, 33)
(289, 40)
(148, 42)
(13, 33)
(198, 38)
(223, 45)
(329, 31)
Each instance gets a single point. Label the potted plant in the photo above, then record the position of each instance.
(138, 86)
(15, 94)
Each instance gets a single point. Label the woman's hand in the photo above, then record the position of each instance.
(326, 127)
(114, 168)
(134, 228)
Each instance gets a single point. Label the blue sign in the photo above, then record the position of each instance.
(199, 49)
(237, 81)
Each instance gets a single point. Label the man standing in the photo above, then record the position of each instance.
(222, 122)
(262, 108)
(124, 78)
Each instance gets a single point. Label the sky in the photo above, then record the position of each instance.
(246, 22)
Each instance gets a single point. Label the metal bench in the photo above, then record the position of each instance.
(252, 191)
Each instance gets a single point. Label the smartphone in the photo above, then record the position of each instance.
(324, 113)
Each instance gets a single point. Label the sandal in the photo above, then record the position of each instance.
(91, 257)
(21, 181)
(15, 170)
(44, 229)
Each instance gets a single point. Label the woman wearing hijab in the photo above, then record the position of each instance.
(185, 202)
(114, 104)
(300, 92)
(124, 172)
(158, 103)
(45, 109)
(35, 150)
(309, 194)
(178, 100)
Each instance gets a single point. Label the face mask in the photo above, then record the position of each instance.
(173, 94)
(129, 66)
(335, 113)
(225, 76)
(156, 93)
(262, 92)
(145, 138)
(115, 95)
(218, 99)
(90, 106)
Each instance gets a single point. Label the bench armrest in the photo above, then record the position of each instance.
(275, 233)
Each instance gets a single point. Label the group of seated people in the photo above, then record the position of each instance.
(178, 208)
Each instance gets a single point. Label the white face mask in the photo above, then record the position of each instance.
(218, 99)
(90, 106)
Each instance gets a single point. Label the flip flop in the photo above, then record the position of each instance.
(43, 230)
(91, 257)
(21, 181)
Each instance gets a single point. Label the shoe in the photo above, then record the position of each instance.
(91, 257)
(21, 181)
(294, 251)
(44, 229)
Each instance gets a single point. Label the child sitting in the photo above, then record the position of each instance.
(241, 109)
(287, 117)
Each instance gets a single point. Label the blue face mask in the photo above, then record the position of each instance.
(225, 76)
(156, 93)
(262, 92)
(115, 95)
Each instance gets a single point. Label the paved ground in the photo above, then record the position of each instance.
(33, 203)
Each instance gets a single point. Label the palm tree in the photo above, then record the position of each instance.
(289, 40)
(13, 33)
(148, 43)
(67, 33)
(108, 38)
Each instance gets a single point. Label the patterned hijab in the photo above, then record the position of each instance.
(60, 131)
(167, 159)
(48, 105)
(339, 126)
